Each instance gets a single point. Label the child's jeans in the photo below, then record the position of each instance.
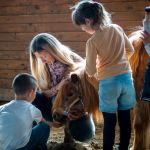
(39, 137)
(145, 94)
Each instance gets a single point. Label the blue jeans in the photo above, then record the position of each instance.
(44, 104)
(145, 93)
(39, 137)
(83, 129)
(116, 93)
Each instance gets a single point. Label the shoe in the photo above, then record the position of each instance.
(116, 147)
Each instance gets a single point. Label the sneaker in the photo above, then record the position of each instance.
(116, 147)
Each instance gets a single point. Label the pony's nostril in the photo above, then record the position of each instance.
(59, 117)
(55, 116)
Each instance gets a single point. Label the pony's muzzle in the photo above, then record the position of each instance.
(60, 117)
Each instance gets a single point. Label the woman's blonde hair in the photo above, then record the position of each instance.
(60, 52)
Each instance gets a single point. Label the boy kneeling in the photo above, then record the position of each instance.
(17, 117)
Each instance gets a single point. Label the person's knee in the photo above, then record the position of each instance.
(44, 128)
(82, 130)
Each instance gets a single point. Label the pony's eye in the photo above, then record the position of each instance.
(70, 94)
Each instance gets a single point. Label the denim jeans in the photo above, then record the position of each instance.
(44, 104)
(116, 93)
(39, 137)
(83, 129)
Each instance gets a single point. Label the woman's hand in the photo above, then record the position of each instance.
(49, 93)
(53, 91)
(52, 124)
(56, 124)
(145, 36)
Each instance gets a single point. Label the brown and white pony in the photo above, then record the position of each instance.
(78, 93)
(141, 123)
(88, 89)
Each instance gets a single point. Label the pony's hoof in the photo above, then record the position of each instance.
(72, 141)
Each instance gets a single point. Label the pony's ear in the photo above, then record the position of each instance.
(74, 78)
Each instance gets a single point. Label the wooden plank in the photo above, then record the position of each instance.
(56, 27)
(72, 36)
(126, 6)
(24, 2)
(48, 9)
(7, 74)
(6, 83)
(62, 2)
(6, 94)
(128, 16)
(107, 1)
(14, 46)
(14, 55)
(14, 64)
(5, 28)
(34, 9)
(76, 46)
(7, 36)
(40, 18)
(40, 27)
(15, 10)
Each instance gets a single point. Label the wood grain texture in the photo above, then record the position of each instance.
(21, 20)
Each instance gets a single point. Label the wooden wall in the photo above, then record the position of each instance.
(20, 20)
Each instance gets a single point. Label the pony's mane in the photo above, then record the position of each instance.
(90, 92)
(137, 44)
(138, 60)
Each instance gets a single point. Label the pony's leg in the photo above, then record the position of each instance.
(148, 137)
(141, 125)
(68, 138)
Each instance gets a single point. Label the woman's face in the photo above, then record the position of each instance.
(45, 56)
(87, 27)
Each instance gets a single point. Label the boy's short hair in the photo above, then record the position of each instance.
(23, 82)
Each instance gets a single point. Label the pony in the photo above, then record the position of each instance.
(141, 112)
(78, 95)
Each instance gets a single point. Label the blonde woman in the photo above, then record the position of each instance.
(50, 63)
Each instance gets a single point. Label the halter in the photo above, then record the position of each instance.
(79, 99)
(67, 110)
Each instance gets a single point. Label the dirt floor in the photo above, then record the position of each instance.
(56, 140)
